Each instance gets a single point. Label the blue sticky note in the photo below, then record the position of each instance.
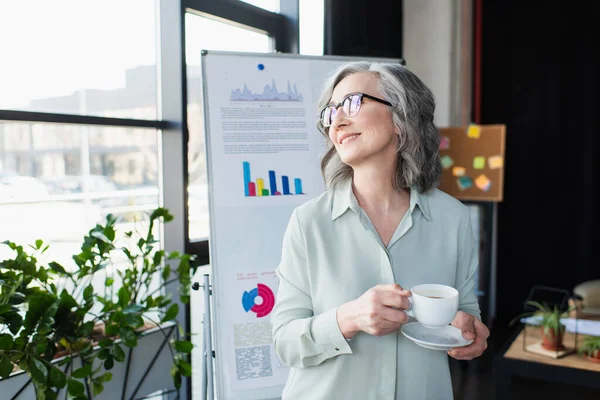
(464, 182)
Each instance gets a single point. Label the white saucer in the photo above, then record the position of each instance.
(445, 338)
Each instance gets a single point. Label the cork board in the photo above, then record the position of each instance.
(473, 162)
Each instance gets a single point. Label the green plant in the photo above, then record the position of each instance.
(549, 316)
(590, 346)
(45, 309)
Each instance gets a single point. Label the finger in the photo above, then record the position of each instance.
(481, 330)
(392, 315)
(394, 299)
(473, 350)
(466, 324)
(393, 287)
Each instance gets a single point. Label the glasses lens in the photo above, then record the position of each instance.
(326, 117)
(346, 106)
(355, 102)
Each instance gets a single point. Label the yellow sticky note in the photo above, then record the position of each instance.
(495, 162)
(479, 162)
(474, 131)
(458, 171)
(483, 183)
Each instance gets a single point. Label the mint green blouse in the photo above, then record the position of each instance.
(332, 254)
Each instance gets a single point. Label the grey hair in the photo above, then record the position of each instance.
(417, 160)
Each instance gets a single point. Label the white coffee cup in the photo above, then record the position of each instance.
(433, 305)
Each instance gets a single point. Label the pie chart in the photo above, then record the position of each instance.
(260, 300)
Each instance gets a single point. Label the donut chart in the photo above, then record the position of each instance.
(265, 307)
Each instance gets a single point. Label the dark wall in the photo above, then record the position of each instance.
(539, 77)
(363, 28)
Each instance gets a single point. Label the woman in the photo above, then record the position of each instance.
(382, 226)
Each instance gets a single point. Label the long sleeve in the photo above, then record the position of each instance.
(302, 339)
(468, 262)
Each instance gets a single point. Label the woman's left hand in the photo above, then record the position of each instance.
(471, 328)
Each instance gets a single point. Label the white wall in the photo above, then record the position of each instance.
(437, 47)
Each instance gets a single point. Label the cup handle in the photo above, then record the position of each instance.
(409, 310)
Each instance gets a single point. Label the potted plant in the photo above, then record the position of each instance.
(590, 348)
(47, 310)
(549, 319)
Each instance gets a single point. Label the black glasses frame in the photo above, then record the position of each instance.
(348, 96)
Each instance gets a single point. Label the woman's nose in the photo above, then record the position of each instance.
(339, 118)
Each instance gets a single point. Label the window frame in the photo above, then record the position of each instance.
(282, 27)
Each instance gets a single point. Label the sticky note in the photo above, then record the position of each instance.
(479, 162)
(464, 182)
(474, 131)
(458, 171)
(446, 162)
(483, 183)
(495, 162)
(445, 143)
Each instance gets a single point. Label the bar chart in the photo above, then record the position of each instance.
(260, 187)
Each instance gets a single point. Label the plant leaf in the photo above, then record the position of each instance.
(56, 267)
(128, 337)
(88, 292)
(109, 362)
(105, 377)
(6, 341)
(171, 313)
(6, 367)
(82, 372)
(38, 370)
(124, 296)
(183, 346)
(75, 387)
(57, 378)
(184, 368)
(133, 308)
(97, 388)
(118, 353)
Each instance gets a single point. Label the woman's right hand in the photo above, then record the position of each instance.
(373, 313)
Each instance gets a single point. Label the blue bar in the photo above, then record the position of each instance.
(247, 178)
(298, 185)
(286, 184)
(272, 182)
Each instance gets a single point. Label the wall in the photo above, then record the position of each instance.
(437, 47)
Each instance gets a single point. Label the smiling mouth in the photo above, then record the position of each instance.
(347, 138)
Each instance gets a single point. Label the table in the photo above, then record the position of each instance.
(513, 360)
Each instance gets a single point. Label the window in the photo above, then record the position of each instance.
(312, 25)
(76, 57)
(57, 181)
(269, 5)
(204, 33)
(81, 139)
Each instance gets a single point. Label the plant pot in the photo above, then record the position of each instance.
(552, 340)
(594, 356)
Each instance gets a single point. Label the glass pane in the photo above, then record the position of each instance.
(312, 25)
(269, 5)
(203, 33)
(79, 57)
(58, 181)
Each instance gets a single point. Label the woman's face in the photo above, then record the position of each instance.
(369, 134)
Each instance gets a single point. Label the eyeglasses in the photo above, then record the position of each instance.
(350, 105)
